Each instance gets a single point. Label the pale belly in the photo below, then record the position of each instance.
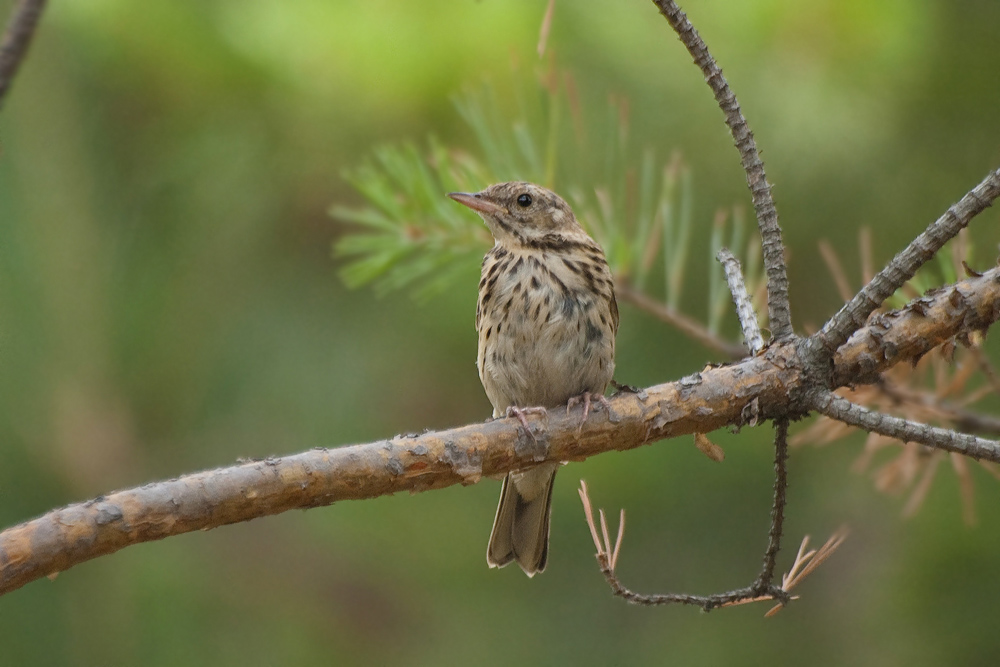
(545, 360)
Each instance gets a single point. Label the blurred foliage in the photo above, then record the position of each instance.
(168, 303)
(640, 211)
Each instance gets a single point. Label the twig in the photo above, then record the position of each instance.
(972, 421)
(779, 311)
(963, 419)
(744, 307)
(778, 508)
(607, 559)
(16, 40)
(841, 409)
(686, 325)
(853, 315)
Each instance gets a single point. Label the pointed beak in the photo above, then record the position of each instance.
(477, 203)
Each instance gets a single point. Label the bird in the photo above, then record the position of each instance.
(547, 320)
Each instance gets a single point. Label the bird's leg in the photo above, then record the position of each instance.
(514, 411)
(576, 400)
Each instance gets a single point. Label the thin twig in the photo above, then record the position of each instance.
(853, 315)
(778, 507)
(744, 307)
(841, 409)
(779, 311)
(16, 39)
(686, 325)
(607, 558)
(963, 419)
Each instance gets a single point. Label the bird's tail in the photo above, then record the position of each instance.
(521, 528)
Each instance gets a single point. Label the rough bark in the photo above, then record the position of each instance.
(773, 384)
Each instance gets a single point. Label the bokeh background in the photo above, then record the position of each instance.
(168, 302)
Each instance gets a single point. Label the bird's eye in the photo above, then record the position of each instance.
(524, 200)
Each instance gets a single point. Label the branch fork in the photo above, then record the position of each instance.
(815, 354)
(782, 380)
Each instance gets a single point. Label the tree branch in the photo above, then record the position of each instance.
(917, 328)
(841, 409)
(744, 307)
(16, 39)
(779, 311)
(850, 318)
(963, 420)
(756, 388)
(778, 507)
(806, 562)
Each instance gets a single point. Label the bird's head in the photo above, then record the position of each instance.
(519, 212)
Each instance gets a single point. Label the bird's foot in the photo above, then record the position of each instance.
(514, 411)
(587, 399)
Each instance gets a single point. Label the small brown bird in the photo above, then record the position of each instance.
(547, 320)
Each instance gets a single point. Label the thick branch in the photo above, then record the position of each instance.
(16, 39)
(850, 318)
(779, 311)
(757, 388)
(916, 329)
(841, 409)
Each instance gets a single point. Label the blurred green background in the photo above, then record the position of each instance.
(168, 303)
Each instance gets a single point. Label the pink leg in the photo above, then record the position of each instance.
(587, 399)
(514, 411)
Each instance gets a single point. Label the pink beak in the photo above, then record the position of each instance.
(477, 203)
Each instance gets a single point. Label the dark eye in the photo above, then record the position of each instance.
(524, 200)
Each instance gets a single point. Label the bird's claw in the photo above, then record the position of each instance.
(514, 411)
(587, 399)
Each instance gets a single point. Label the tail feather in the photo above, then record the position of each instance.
(521, 528)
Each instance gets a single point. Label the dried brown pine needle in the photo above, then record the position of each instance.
(709, 448)
(605, 551)
(806, 562)
(543, 33)
(920, 491)
(965, 487)
(933, 391)
(865, 250)
(836, 270)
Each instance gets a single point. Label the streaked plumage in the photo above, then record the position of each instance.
(547, 320)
